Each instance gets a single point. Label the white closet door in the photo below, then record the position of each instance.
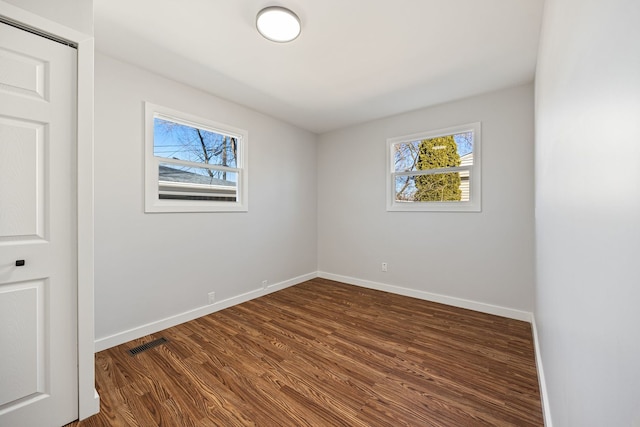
(38, 255)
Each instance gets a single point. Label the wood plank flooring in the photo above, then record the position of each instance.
(323, 353)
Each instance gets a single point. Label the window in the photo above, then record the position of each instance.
(435, 171)
(193, 164)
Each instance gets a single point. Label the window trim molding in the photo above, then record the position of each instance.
(475, 173)
(153, 204)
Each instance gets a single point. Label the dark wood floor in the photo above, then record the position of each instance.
(324, 353)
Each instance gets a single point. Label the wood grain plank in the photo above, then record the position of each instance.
(324, 353)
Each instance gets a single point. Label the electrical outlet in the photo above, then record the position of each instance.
(212, 297)
(384, 267)
(265, 283)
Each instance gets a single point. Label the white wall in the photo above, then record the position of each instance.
(588, 211)
(485, 257)
(76, 14)
(153, 266)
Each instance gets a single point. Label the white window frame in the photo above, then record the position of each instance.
(475, 175)
(153, 203)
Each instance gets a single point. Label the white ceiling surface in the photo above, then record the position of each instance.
(355, 60)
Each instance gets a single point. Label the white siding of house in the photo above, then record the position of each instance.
(466, 160)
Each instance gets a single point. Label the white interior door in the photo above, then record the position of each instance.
(38, 300)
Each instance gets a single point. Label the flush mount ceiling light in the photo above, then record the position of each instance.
(278, 24)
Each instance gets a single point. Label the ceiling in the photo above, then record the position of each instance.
(355, 60)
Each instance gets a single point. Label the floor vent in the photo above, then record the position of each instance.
(147, 346)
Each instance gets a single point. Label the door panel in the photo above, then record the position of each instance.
(38, 296)
(21, 179)
(21, 315)
(22, 74)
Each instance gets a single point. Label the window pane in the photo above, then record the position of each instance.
(432, 170)
(442, 187)
(405, 156)
(434, 153)
(177, 141)
(188, 183)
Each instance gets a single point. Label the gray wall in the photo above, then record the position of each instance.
(588, 211)
(151, 267)
(484, 257)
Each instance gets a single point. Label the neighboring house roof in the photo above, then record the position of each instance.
(170, 174)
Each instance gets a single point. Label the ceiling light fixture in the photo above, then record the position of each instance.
(278, 24)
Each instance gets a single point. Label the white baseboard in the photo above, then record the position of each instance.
(92, 408)
(546, 410)
(156, 326)
(428, 296)
(159, 325)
